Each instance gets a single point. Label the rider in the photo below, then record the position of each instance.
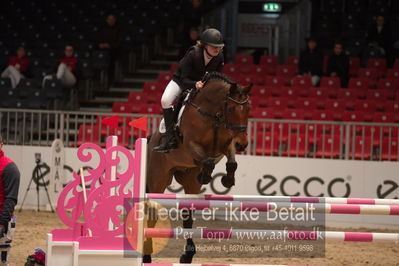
(204, 57)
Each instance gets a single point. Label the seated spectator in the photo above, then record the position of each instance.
(258, 53)
(110, 39)
(338, 64)
(192, 14)
(379, 36)
(189, 41)
(311, 61)
(17, 66)
(66, 68)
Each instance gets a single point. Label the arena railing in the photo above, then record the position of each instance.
(266, 137)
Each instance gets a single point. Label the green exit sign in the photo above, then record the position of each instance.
(272, 7)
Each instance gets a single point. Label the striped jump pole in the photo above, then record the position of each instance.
(292, 199)
(267, 235)
(177, 264)
(278, 206)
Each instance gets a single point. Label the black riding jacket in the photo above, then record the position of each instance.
(192, 67)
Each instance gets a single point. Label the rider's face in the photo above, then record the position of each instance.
(212, 50)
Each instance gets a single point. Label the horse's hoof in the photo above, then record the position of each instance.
(204, 179)
(228, 182)
(185, 258)
(147, 259)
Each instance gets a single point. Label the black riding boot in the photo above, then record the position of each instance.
(170, 142)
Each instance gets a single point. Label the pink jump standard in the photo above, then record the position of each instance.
(95, 225)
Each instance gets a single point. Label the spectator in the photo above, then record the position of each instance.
(17, 67)
(193, 14)
(338, 64)
(191, 40)
(311, 61)
(191, 17)
(10, 176)
(258, 53)
(66, 68)
(379, 37)
(110, 39)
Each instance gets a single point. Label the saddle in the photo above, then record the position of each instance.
(178, 111)
(180, 103)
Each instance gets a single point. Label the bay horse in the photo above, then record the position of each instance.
(213, 125)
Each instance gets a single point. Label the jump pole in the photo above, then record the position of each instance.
(277, 206)
(193, 264)
(268, 235)
(292, 199)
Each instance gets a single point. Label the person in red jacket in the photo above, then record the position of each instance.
(9, 186)
(17, 66)
(66, 68)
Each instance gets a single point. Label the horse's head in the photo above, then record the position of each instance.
(229, 102)
(238, 109)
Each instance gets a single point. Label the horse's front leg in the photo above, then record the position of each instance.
(202, 160)
(228, 180)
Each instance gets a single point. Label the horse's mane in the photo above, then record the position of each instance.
(218, 76)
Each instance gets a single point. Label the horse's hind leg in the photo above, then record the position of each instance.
(158, 178)
(189, 249)
(190, 187)
(147, 245)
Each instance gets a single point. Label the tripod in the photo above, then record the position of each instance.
(37, 176)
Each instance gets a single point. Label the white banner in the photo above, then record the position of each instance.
(270, 176)
(57, 176)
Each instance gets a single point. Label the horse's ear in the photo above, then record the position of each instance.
(247, 89)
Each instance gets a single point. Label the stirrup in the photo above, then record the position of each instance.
(166, 146)
(163, 148)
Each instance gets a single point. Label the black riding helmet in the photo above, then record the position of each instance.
(212, 37)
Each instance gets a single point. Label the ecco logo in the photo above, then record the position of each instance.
(265, 185)
(384, 192)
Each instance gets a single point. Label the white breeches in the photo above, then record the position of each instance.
(171, 93)
(67, 78)
(13, 74)
(315, 80)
